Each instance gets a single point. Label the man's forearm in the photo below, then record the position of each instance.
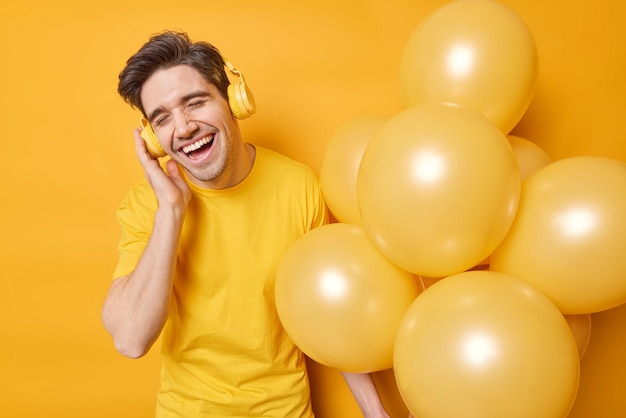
(365, 393)
(136, 306)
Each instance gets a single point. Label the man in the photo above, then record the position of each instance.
(201, 241)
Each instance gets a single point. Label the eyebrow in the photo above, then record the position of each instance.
(198, 93)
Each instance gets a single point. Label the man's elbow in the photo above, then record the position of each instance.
(131, 349)
(128, 346)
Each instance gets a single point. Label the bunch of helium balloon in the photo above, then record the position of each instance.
(426, 196)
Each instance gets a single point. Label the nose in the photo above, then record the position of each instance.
(184, 127)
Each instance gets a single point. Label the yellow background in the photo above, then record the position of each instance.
(313, 66)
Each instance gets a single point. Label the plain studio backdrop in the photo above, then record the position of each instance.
(313, 66)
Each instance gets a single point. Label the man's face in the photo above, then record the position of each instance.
(193, 123)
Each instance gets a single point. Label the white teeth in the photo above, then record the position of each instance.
(196, 145)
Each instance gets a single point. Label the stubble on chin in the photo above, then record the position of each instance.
(215, 169)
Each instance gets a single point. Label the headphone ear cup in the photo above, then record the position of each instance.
(241, 100)
(150, 138)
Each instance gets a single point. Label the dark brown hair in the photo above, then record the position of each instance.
(165, 50)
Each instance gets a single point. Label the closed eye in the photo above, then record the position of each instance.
(197, 103)
(161, 121)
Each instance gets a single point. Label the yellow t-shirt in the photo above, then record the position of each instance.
(224, 351)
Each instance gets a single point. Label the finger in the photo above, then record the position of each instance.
(173, 172)
(176, 176)
(140, 147)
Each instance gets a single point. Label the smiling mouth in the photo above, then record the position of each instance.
(198, 146)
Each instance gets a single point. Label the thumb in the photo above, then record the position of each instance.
(174, 173)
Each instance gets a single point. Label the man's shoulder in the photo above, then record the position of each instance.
(139, 194)
(275, 160)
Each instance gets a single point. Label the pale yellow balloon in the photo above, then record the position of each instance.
(475, 53)
(482, 344)
(340, 166)
(530, 156)
(568, 238)
(340, 300)
(438, 189)
(580, 325)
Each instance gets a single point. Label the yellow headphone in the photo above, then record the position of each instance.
(240, 100)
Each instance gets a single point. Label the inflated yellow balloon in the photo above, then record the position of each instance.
(476, 53)
(438, 188)
(530, 156)
(340, 300)
(481, 344)
(340, 166)
(568, 238)
(580, 325)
